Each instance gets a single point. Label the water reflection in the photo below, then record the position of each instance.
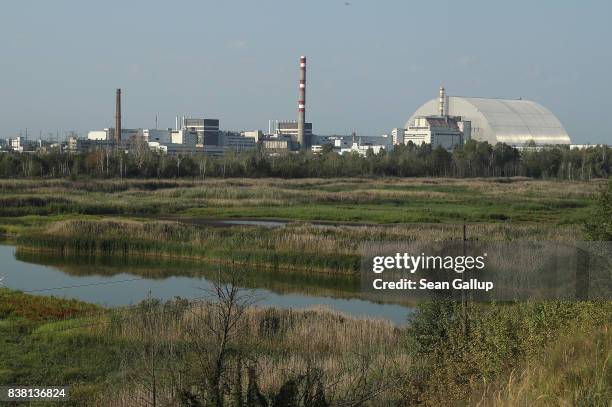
(166, 279)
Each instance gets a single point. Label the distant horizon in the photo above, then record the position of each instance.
(370, 64)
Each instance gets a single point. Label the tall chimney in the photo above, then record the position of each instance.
(442, 101)
(118, 117)
(301, 138)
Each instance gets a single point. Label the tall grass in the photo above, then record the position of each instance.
(255, 246)
(553, 353)
(389, 200)
(319, 248)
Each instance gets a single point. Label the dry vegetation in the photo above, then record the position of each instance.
(547, 353)
(310, 199)
(283, 344)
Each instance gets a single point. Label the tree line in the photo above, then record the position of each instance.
(474, 159)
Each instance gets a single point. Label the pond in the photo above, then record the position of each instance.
(127, 280)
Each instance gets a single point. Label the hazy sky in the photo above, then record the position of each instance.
(370, 63)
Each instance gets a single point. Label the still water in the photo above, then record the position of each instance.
(126, 281)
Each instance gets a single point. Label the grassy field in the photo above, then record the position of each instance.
(536, 354)
(129, 217)
(362, 200)
(95, 350)
(547, 353)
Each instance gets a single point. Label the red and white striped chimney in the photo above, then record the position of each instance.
(301, 138)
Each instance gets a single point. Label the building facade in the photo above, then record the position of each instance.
(237, 142)
(206, 129)
(290, 128)
(441, 131)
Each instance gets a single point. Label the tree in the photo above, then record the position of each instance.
(212, 336)
(599, 226)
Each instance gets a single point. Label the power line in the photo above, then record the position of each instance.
(83, 285)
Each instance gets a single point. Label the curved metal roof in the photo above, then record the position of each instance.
(509, 121)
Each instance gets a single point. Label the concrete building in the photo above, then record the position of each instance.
(515, 122)
(21, 144)
(175, 149)
(290, 128)
(108, 134)
(206, 129)
(79, 145)
(236, 142)
(187, 137)
(346, 140)
(435, 130)
(163, 136)
(254, 134)
(397, 136)
(277, 143)
(99, 135)
(362, 149)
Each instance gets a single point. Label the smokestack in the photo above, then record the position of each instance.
(118, 117)
(442, 101)
(301, 138)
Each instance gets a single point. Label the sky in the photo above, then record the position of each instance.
(371, 64)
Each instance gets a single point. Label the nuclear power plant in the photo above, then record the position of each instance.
(516, 122)
(445, 121)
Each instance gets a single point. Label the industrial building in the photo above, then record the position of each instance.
(20, 144)
(254, 134)
(187, 137)
(206, 129)
(290, 128)
(236, 141)
(397, 136)
(108, 134)
(157, 135)
(361, 147)
(440, 131)
(276, 144)
(515, 122)
(191, 135)
(346, 144)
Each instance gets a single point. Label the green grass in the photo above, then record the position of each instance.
(548, 353)
(437, 359)
(98, 355)
(252, 246)
(384, 201)
(33, 353)
(411, 212)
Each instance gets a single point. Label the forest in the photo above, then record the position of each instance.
(474, 159)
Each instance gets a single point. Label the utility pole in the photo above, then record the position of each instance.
(463, 295)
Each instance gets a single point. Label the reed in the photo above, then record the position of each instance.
(297, 247)
(384, 200)
(552, 353)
